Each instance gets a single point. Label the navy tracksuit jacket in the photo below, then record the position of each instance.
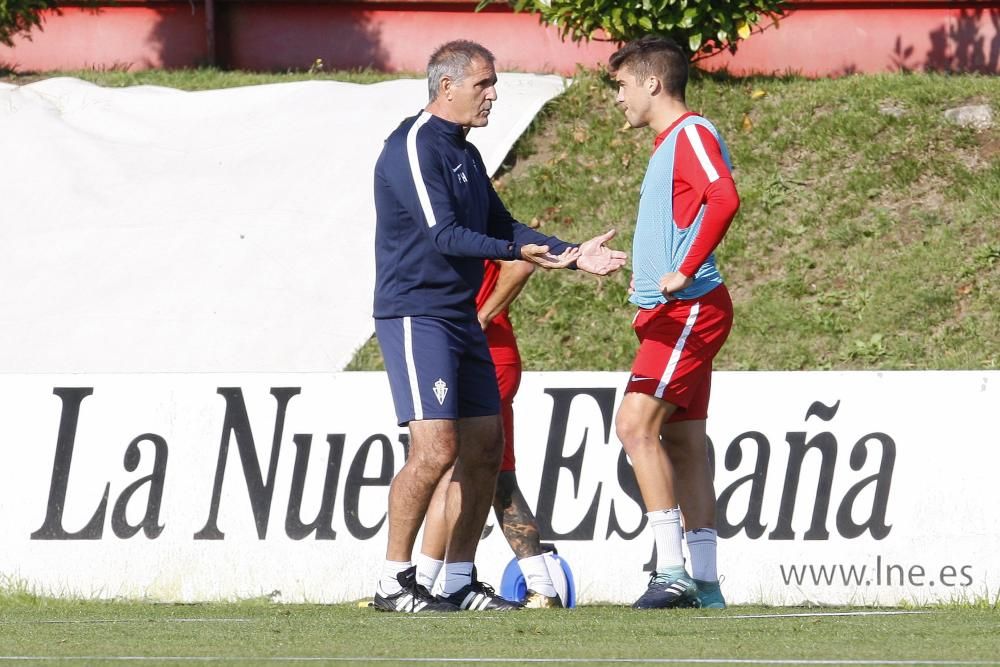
(437, 218)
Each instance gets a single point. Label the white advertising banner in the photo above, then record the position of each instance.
(836, 488)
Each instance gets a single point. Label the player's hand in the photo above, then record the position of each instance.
(631, 285)
(540, 256)
(674, 282)
(599, 259)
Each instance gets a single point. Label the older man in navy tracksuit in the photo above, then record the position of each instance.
(438, 217)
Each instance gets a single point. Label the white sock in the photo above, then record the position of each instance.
(456, 576)
(702, 543)
(427, 570)
(668, 535)
(388, 584)
(536, 575)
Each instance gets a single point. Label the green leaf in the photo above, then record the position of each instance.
(616, 20)
(687, 20)
(700, 25)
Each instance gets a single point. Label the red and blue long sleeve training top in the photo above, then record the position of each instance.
(437, 218)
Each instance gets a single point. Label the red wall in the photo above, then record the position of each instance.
(393, 37)
(817, 38)
(826, 38)
(133, 36)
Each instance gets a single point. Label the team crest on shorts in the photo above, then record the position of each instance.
(440, 390)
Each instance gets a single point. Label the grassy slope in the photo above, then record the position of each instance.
(39, 627)
(196, 79)
(865, 240)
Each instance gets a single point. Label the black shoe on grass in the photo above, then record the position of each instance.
(413, 599)
(478, 596)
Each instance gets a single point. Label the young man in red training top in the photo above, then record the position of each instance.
(502, 282)
(687, 202)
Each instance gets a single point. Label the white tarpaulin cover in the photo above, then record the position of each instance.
(148, 229)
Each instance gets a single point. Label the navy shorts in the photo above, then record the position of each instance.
(438, 368)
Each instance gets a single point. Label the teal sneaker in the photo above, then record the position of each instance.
(709, 595)
(669, 589)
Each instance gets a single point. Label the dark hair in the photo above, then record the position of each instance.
(657, 56)
(452, 60)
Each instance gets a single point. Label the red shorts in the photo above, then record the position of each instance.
(508, 380)
(677, 342)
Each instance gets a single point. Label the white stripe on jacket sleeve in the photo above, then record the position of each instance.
(418, 177)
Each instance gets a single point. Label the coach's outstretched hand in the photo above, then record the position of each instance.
(540, 256)
(599, 259)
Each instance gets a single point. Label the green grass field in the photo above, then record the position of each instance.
(95, 633)
(865, 240)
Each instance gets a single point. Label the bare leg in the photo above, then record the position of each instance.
(435, 538)
(515, 518)
(473, 480)
(638, 424)
(521, 530)
(433, 449)
(687, 448)
(467, 503)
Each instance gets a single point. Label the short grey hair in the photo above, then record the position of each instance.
(452, 60)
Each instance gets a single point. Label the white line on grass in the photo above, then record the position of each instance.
(823, 613)
(480, 616)
(362, 659)
(419, 617)
(131, 620)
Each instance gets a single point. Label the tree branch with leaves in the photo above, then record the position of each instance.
(702, 27)
(21, 16)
